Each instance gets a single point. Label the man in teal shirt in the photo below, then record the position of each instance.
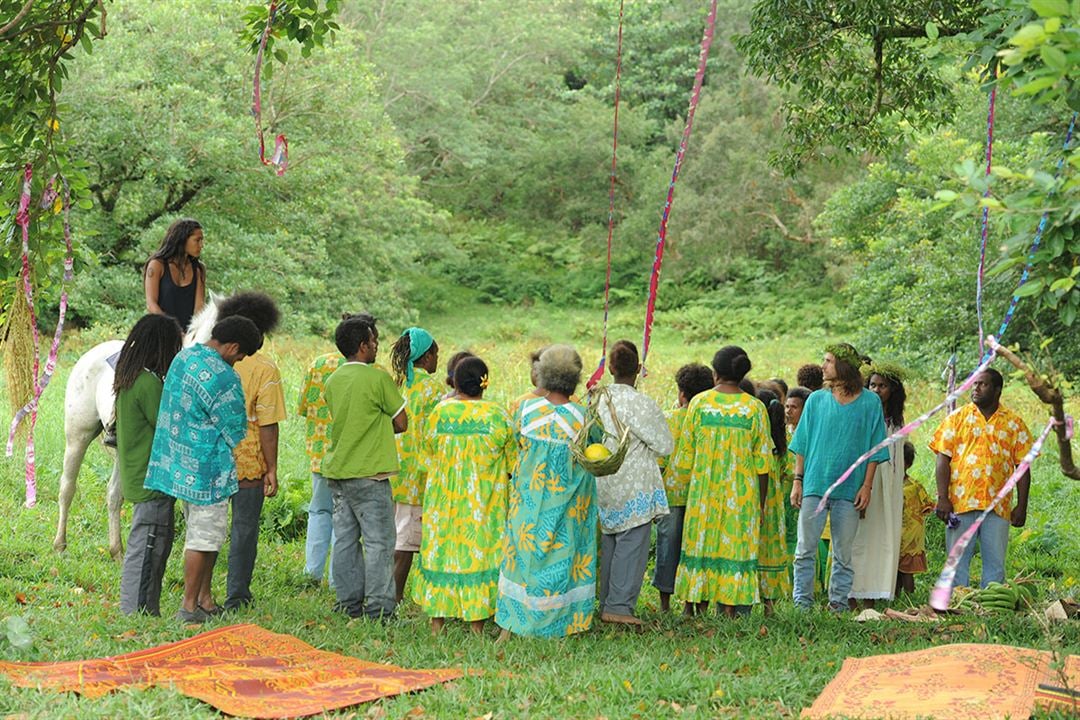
(839, 423)
(366, 410)
(201, 419)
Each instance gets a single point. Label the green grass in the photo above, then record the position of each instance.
(750, 668)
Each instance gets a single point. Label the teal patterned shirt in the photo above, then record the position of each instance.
(200, 420)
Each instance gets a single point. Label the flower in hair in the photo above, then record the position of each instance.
(484, 382)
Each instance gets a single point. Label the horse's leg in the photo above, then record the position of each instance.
(78, 440)
(115, 498)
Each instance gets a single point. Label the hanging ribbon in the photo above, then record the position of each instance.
(909, 428)
(661, 238)
(599, 373)
(50, 196)
(949, 376)
(280, 158)
(985, 219)
(942, 592)
(1037, 239)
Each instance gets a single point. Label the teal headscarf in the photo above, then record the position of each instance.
(420, 341)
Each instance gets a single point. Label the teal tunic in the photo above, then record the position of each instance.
(547, 582)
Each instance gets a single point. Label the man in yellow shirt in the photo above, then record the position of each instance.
(256, 455)
(978, 447)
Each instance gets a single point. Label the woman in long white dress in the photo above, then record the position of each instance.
(876, 551)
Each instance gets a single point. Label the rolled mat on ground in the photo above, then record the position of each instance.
(958, 682)
(240, 670)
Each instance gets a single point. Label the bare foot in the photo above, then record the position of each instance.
(437, 626)
(477, 627)
(503, 636)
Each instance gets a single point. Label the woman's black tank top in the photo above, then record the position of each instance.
(177, 300)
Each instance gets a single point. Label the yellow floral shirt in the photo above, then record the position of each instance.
(264, 401)
(675, 483)
(313, 407)
(421, 397)
(983, 455)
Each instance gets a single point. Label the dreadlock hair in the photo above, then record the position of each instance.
(258, 307)
(172, 248)
(152, 344)
(693, 379)
(453, 362)
(809, 377)
(399, 357)
(894, 406)
(777, 428)
(470, 376)
(352, 332)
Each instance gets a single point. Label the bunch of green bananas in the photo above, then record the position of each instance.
(1001, 596)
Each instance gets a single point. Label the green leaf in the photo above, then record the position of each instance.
(945, 195)
(1036, 85)
(931, 31)
(1050, 8)
(1065, 283)
(281, 55)
(1054, 57)
(1067, 313)
(18, 632)
(1029, 289)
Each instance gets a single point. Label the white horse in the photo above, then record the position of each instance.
(88, 407)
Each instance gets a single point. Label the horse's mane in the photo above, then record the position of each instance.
(203, 322)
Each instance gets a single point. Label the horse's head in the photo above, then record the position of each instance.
(203, 322)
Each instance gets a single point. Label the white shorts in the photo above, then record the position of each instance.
(407, 522)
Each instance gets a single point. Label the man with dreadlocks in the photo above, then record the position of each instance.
(837, 426)
(414, 360)
(140, 371)
(256, 455)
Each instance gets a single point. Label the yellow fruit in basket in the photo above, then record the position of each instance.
(596, 452)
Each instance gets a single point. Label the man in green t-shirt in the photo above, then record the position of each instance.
(366, 410)
(144, 360)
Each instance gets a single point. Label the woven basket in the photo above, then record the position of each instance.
(611, 464)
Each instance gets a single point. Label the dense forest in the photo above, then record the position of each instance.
(449, 155)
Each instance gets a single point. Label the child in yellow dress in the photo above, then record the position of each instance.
(917, 505)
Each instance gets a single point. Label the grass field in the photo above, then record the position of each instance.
(750, 668)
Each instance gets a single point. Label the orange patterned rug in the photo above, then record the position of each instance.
(240, 670)
(958, 682)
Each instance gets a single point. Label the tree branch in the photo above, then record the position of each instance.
(1051, 396)
(18, 18)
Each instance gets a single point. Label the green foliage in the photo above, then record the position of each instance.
(184, 145)
(855, 67)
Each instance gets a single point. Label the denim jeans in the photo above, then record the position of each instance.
(320, 530)
(247, 506)
(843, 521)
(993, 537)
(668, 548)
(363, 577)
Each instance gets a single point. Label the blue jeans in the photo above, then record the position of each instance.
(844, 521)
(993, 537)
(668, 548)
(363, 575)
(320, 530)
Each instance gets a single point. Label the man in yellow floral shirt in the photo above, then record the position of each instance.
(978, 447)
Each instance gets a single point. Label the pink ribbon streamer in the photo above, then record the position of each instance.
(911, 426)
(942, 592)
(280, 158)
(41, 381)
(985, 219)
(599, 373)
(661, 239)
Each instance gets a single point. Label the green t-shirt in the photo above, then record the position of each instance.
(363, 401)
(136, 418)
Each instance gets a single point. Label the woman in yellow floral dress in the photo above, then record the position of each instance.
(724, 449)
(774, 560)
(469, 447)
